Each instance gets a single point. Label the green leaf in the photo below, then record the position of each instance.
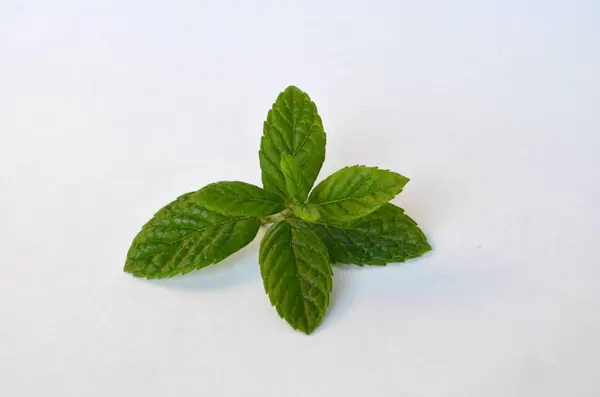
(351, 193)
(296, 272)
(293, 127)
(384, 236)
(239, 199)
(295, 181)
(184, 236)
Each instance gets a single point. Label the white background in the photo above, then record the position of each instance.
(111, 109)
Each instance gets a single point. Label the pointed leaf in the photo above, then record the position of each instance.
(351, 193)
(184, 236)
(384, 236)
(295, 181)
(296, 272)
(293, 127)
(239, 199)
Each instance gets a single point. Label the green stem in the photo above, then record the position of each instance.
(265, 220)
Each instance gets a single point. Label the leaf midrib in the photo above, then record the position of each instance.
(199, 230)
(350, 195)
(342, 199)
(298, 278)
(249, 198)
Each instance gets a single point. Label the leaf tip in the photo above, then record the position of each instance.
(128, 267)
(291, 88)
(426, 247)
(306, 331)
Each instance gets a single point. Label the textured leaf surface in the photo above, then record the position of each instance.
(384, 236)
(295, 181)
(295, 268)
(351, 193)
(184, 236)
(239, 199)
(294, 127)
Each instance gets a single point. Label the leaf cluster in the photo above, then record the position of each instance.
(345, 219)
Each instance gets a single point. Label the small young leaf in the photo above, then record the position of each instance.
(384, 236)
(239, 199)
(184, 236)
(293, 127)
(296, 272)
(351, 193)
(306, 212)
(295, 181)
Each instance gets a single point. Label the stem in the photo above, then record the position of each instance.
(265, 220)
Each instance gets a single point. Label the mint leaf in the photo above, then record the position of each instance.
(296, 272)
(384, 236)
(293, 127)
(239, 199)
(184, 236)
(351, 193)
(295, 181)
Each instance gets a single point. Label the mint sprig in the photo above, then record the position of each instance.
(346, 219)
